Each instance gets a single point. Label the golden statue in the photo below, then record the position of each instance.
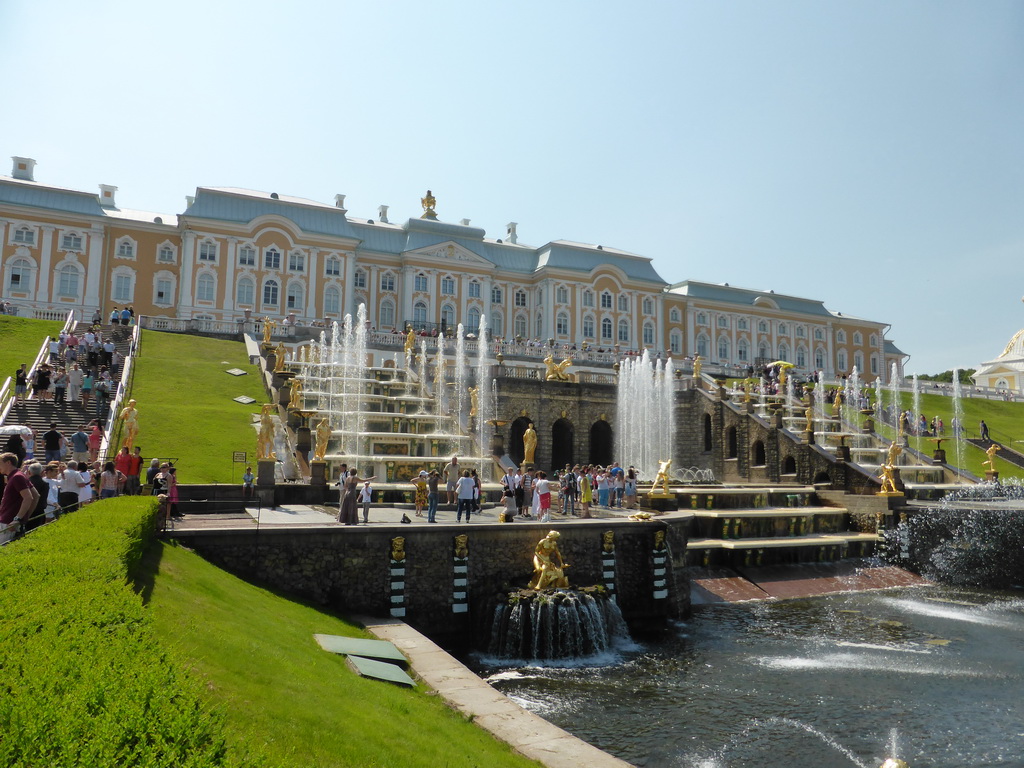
(130, 417)
(903, 423)
(529, 444)
(809, 416)
(608, 541)
(398, 549)
(410, 342)
(837, 402)
(295, 395)
(474, 401)
(323, 434)
(895, 449)
(991, 453)
(888, 473)
(662, 476)
(428, 204)
(556, 371)
(268, 329)
(697, 362)
(462, 545)
(782, 375)
(748, 384)
(659, 540)
(548, 567)
(265, 442)
(280, 356)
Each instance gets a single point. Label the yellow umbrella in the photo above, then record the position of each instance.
(782, 363)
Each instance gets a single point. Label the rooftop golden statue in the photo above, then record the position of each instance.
(548, 566)
(428, 202)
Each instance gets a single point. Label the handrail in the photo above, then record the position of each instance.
(44, 350)
(7, 399)
(124, 385)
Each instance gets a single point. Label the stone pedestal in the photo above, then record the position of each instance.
(318, 472)
(991, 477)
(939, 457)
(497, 444)
(661, 502)
(748, 406)
(265, 473)
(809, 436)
(869, 426)
(284, 393)
(303, 437)
(843, 452)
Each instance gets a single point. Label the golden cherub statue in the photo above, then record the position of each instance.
(280, 356)
(323, 434)
(556, 371)
(529, 444)
(295, 400)
(991, 453)
(130, 417)
(268, 329)
(474, 401)
(265, 441)
(662, 476)
(428, 202)
(548, 567)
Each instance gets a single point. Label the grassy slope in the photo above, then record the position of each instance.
(185, 406)
(21, 339)
(285, 698)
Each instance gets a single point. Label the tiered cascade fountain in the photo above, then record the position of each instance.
(645, 413)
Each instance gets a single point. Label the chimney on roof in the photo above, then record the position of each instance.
(339, 202)
(106, 196)
(465, 223)
(189, 201)
(24, 168)
(512, 238)
(382, 210)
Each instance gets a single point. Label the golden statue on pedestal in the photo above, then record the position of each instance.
(410, 342)
(428, 202)
(280, 356)
(323, 434)
(888, 473)
(990, 452)
(265, 442)
(529, 444)
(268, 330)
(837, 402)
(662, 477)
(698, 361)
(130, 417)
(295, 395)
(548, 567)
(809, 417)
(556, 371)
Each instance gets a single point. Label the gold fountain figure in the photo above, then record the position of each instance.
(280, 357)
(410, 342)
(662, 476)
(698, 361)
(991, 453)
(265, 442)
(474, 401)
(529, 444)
(295, 395)
(268, 330)
(888, 473)
(548, 566)
(556, 371)
(323, 434)
(130, 417)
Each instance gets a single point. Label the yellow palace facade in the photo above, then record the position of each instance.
(233, 254)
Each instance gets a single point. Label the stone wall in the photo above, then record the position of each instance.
(350, 569)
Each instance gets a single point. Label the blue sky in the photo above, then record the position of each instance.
(869, 154)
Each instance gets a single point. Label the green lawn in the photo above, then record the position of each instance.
(186, 411)
(22, 338)
(284, 698)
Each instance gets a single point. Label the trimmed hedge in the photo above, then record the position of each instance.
(83, 679)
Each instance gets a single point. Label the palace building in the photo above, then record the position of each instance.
(233, 254)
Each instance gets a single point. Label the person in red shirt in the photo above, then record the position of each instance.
(122, 463)
(18, 500)
(132, 487)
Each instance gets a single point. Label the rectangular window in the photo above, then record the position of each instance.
(623, 303)
(246, 256)
(648, 307)
(588, 298)
(360, 279)
(606, 300)
(163, 292)
(676, 344)
(387, 282)
(447, 286)
(562, 325)
(588, 327)
(648, 334)
(207, 251)
(296, 262)
(24, 235)
(165, 254)
(520, 299)
(332, 267)
(562, 295)
(71, 242)
(474, 290)
(496, 296)
(125, 249)
(272, 259)
(122, 288)
(520, 326)
(420, 283)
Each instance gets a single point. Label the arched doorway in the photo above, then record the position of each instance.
(516, 430)
(600, 443)
(757, 455)
(707, 431)
(731, 443)
(561, 444)
(789, 466)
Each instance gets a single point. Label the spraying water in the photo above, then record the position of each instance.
(958, 423)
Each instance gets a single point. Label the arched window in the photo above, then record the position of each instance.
(332, 301)
(126, 248)
(359, 278)
(24, 235)
(648, 334)
(819, 359)
(539, 325)
(674, 316)
(447, 316)
(623, 332)
(800, 332)
(723, 321)
(675, 343)
(270, 293)
(588, 298)
(245, 292)
(561, 295)
(387, 315)
(498, 324)
(784, 352)
(648, 306)
(623, 303)
(606, 329)
(702, 345)
(743, 351)
(474, 289)
(332, 266)
(723, 347)
(841, 337)
(742, 324)
(874, 340)
(783, 330)
(19, 275)
(762, 327)
(272, 259)
(519, 326)
(858, 361)
(819, 335)
(68, 278)
(419, 314)
(206, 287)
(702, 318)
(295, 294)
(606, 300)
(473, 320)
(588, 327)
(562, 324)
(858, 338)
(762, 350)
(419, 283)
(801, 356)
(841, 360)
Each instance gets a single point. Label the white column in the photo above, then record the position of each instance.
(830, 360)
(659, 324)
(463, 300)
(734, 349)
(403, 310)
(691, 336)
(348, 299)
(372, 290)
(94, 268)
(188, 257)
(313, 281)
(45, 256)
(226, 273)
(549, 308)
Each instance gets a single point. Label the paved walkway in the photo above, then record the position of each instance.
(492, 710)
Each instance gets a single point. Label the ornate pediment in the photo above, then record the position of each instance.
(447, 252)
